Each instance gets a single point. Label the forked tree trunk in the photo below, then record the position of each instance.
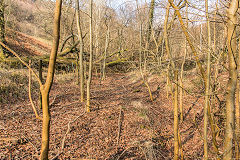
(232, 82)
(45, 89)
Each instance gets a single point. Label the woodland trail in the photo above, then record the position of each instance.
(146, 127)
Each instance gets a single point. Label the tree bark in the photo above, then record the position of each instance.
(232, 82)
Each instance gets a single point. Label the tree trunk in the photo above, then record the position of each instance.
(165, 35)
(45, 126)
(181, 73)
(232, 82)
(149, 31)
(90, 60)
(2, 28)
(80, 52)
(41, 79)
(45, 89)
(237, 114)
(176, 129)
(207, 87)
(150, 20)
(105, 51)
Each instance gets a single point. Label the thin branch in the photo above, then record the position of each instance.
(30, 95)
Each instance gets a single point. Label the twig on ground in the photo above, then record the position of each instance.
(65, 136)
(53, 100)
(119, 125)
(31, 143)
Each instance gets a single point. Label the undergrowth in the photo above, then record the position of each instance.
(14, 85)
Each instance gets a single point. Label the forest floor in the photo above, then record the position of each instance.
(121, 102)
(123, 123)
